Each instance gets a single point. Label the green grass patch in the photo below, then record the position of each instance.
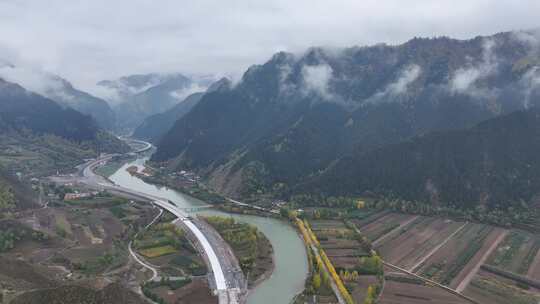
(155, 252)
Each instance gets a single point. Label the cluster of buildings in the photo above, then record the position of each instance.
(186, 175)
(81, 195)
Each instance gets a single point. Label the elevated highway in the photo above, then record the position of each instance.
(226, 289)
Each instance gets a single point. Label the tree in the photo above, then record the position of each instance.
(316, 281)
(370, 296)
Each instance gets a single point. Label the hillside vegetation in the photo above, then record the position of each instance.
(38, 135)
(494, 164)
(293, 118)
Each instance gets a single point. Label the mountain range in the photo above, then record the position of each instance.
(61, 91)
(290, 120)
(494, 163)
(155, 126)
(24, 113)
(137, 97)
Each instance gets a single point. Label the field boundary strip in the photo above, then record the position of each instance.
(465, 282)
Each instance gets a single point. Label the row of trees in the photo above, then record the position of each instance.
(312, 200)
(328, 264)
(515, 214)
(511, 213)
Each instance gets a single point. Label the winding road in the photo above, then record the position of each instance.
(136, 257)
(224, 285)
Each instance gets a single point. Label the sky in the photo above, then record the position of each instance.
(88, 41)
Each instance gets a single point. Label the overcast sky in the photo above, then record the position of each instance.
(87, 41)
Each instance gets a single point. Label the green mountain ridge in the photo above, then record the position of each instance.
(46, 135)
(155, 126)
(494, 163)
(291, 118)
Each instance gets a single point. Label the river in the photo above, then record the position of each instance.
(290, 257)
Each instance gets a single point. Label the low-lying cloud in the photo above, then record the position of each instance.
(407, 77)
(399, 87)
(32, 79)
(180, 95)
(316, 79)
(531, 82)
(465, 80)
(88, 41)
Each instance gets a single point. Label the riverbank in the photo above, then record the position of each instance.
(268, 270)
(252, 249)
(290, 260)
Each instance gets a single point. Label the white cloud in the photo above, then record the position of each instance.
(464, 81)
(88, 41)
(32, 79)
(531, 38)
(317, 78)
(398, 87)
(408, 76)
(180, 95)
(531, 81)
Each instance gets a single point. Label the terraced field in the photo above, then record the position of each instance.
(167, 247)
(455, 254)
(448, 262)
(384, 225)
(406, 247)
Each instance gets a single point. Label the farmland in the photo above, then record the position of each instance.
(195, 291)
(357, 269)
(385, 224)
(453, 253)
(516, 253)
(91, 232)
(74, 242)
(401, 289)
(339, 243)
(167, 247)
(488, 289)
(447, 263)
(408, 245)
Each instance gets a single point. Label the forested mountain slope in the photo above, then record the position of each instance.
(35, 128)
(59, 90)
(495, 163)
(292, 117)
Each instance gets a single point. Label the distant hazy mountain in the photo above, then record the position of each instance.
(155, 126)
(83, 102)
(294, 116)
(125, 87)
(61, 91)
(22, 111)
(139, 96)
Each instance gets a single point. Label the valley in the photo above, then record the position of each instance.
(169, 155)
